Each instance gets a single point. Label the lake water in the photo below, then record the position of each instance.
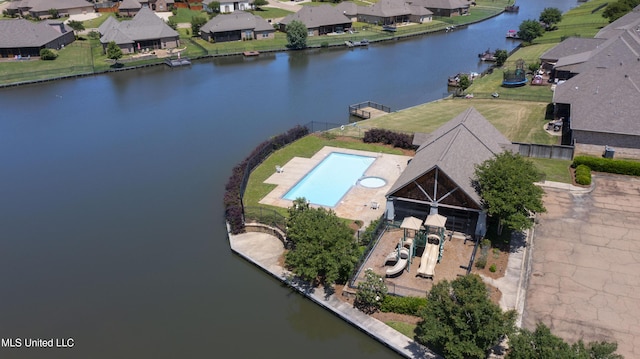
(111, 220)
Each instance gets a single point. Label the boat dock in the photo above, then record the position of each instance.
(177, 62)
(251, 53)
(368, 109)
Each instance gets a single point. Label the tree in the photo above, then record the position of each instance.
(460, 321)
(323, 247)
(76, 26)
(541, 343)
(550, 16)
(259, 3)
(114, 52)
(529, 30)
(196, 23)
(47, 54)
(371, 293)
(464, 82)
(501, 57)
(54, 13)
(506, 185)
(171, 22)
(214, 6)
(618, 9)
(296, 35)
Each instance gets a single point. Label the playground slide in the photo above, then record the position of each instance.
(400, 264)
(428, 262)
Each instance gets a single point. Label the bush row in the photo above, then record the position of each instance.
(583, 175)
(387, 137)
(403, 305)
(235, 185)
(623, 167)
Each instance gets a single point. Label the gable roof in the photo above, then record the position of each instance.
(46, 5)
(238, 20)
(23, 33)
(347, 8)
(441, 4)
(316, 16)
(386, 8)
(571, 46)
(604, 95)
(146, 25)
(622, 24)
(456, 147)
(129, 5)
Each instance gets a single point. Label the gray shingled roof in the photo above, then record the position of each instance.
(130, 5)
(316, 16)
(386, 8)
(441, 4)
(146, 25)
(456, 147)
(45, 5)
(348, 8)
(23, 33)
(604, 95)
(238, 20)
(571, 46)
(622, 24)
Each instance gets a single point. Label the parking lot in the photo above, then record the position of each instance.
(584, 281)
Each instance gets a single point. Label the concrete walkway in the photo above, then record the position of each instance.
(264, 250)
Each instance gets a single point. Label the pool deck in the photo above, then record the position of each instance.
(356, 203)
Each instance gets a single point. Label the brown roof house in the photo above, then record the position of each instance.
(599, 104)
(40, 8)
(319, 20)
(391, 12)
(129, 7)
(444, 8)
(22, 38)
(145, 31)
(439, 177)
(235, 27)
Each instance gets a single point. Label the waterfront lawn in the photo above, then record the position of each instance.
(554, 170)
(304, 147)
(279, 42)
(519, 121)
(407, 329)
(578, 22)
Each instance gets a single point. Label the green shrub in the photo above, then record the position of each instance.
(324, 44)
(369, 233)
(492, 269)
(623, 167)
(403, 305)
(47, 54)
(486, 243)
(583, 175)
(481, 262)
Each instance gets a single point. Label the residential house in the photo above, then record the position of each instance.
(129, 7)
(348, 9)
(146, 31)
(562, 59)
(319, 20)
(21, 38)
(439, 177)
(41, 8)
(158, 5)
(235, 27)
(390, 12)
(599, 102)
(444, 8)
(227, 7)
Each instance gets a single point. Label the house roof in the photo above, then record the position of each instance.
(238, 20)
(386, 8)
(22, 33)
(604, 95)
(129, 4)
(316, 16)
(570, 46)
(348, 8)
(45, 5)
(456, 147)
(146, 25)
(441, 4)
(628, 21)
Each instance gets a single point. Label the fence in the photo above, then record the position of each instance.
(545, 151)
(377, 234)
(265, 216)
(355, 110)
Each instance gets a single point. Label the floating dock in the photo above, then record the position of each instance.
(177, 62)
(251, 53)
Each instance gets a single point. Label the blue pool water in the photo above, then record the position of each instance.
(330, 179)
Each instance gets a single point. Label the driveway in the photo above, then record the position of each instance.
(584, 281)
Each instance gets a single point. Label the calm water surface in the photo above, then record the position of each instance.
(111, 221)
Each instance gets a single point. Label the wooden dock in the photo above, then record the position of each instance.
(368, 109)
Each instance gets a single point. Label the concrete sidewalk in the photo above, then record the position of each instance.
(264, 250)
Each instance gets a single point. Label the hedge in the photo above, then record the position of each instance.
(583, 175)
(387, 137)
(235, 185)
(623, 167)
(403, 305)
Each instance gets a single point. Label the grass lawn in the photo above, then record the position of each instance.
(519, 121)
(271, 12)
(405, 328)
(554, 170)
(305, 147)
(95, 23)
(185, 15)
(578, 22)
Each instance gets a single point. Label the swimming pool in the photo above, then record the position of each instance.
(328, 182)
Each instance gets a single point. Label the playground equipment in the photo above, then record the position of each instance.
(515, 78)
(433, 245)
(401, 256)
(406, 247)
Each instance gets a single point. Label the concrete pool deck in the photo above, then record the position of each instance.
(356, 203)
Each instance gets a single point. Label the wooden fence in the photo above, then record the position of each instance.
(545, 151)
